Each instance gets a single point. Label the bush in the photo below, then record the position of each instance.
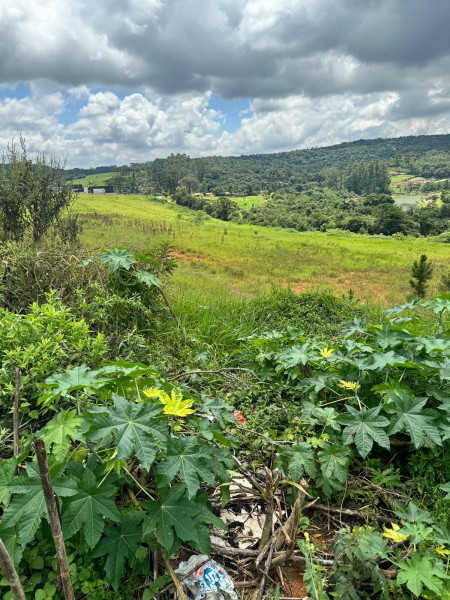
(46, 340)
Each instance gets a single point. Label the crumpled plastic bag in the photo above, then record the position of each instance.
(206, 579)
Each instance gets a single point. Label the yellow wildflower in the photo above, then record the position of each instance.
(290, 436)
(442, 551)
(326, 352)
(325, 437)
(349, 385)
(393, 533)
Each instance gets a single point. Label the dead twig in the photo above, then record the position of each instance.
(174, 579)
(169, 306)
(262, 585)
(54, 518)
(171, 585)
(296, 512)
(221, 371)
(10, 573)
(268, 520)
(353, 513)
(248, 553)
(16, 412)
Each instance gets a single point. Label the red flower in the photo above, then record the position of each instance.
(239, 416)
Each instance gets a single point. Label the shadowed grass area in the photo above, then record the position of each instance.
(230, 259)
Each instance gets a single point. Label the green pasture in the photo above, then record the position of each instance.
(97, 179)
(227, 259)
(401, 177)
(247, 202)
(244, 202)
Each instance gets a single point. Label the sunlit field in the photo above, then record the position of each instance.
(216, 257)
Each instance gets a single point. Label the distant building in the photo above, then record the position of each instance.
(77, 188)
(198, 195)
(100, 189)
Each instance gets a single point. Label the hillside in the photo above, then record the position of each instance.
(227, 259)
(427, 156)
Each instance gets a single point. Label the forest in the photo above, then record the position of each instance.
(426, 156)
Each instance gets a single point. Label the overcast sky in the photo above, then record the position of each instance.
(120, 81)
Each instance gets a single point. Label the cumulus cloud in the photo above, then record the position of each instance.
(142, 73)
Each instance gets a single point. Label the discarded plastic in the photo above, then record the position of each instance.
(207, 579)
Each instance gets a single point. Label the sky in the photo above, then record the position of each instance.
(123, 81)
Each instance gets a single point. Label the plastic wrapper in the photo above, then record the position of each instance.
(206, 579)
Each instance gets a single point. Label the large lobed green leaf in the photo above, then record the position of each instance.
(133, 429)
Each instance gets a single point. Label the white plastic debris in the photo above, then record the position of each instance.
(206, 579)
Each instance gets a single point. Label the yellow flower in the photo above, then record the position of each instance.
(290, 436)
(325, 437)
(349, 385)
(393, 534)
(442, 551)
(326, 352)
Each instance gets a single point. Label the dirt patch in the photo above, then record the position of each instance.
(300, 288)
(183, 257)
(294, 585)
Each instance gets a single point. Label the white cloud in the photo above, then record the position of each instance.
(317, 71)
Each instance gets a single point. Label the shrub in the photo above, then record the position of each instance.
(45, 340)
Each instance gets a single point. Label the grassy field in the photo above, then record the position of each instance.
(402, 177)
(97, 179)
(226, 259)
(248, 201)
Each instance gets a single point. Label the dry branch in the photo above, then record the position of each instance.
(268, 520)
(248, 553)
(174, 579)
(54, 518)
(16, 412)
(354, 513)
(262, 585)
(10, 573)
(222, 371)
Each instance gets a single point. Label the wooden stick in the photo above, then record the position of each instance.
(296, 512)
(169, 306)
(268, 519)
(221, 371)
(262, 585)
(174, 578)
(248, 553)
(16, 412)
(353, 513)
(55, 523)
(9, 571)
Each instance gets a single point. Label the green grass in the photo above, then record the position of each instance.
(401, 177)
(244, 202)
(229, 260)
(97, 179)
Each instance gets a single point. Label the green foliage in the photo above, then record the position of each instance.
(39, 343)
(421, 272)
(131, 428)
(419, 573)
(32, 195)
(101, 498)
(120, 544)
(89, 507)
(364, 427)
